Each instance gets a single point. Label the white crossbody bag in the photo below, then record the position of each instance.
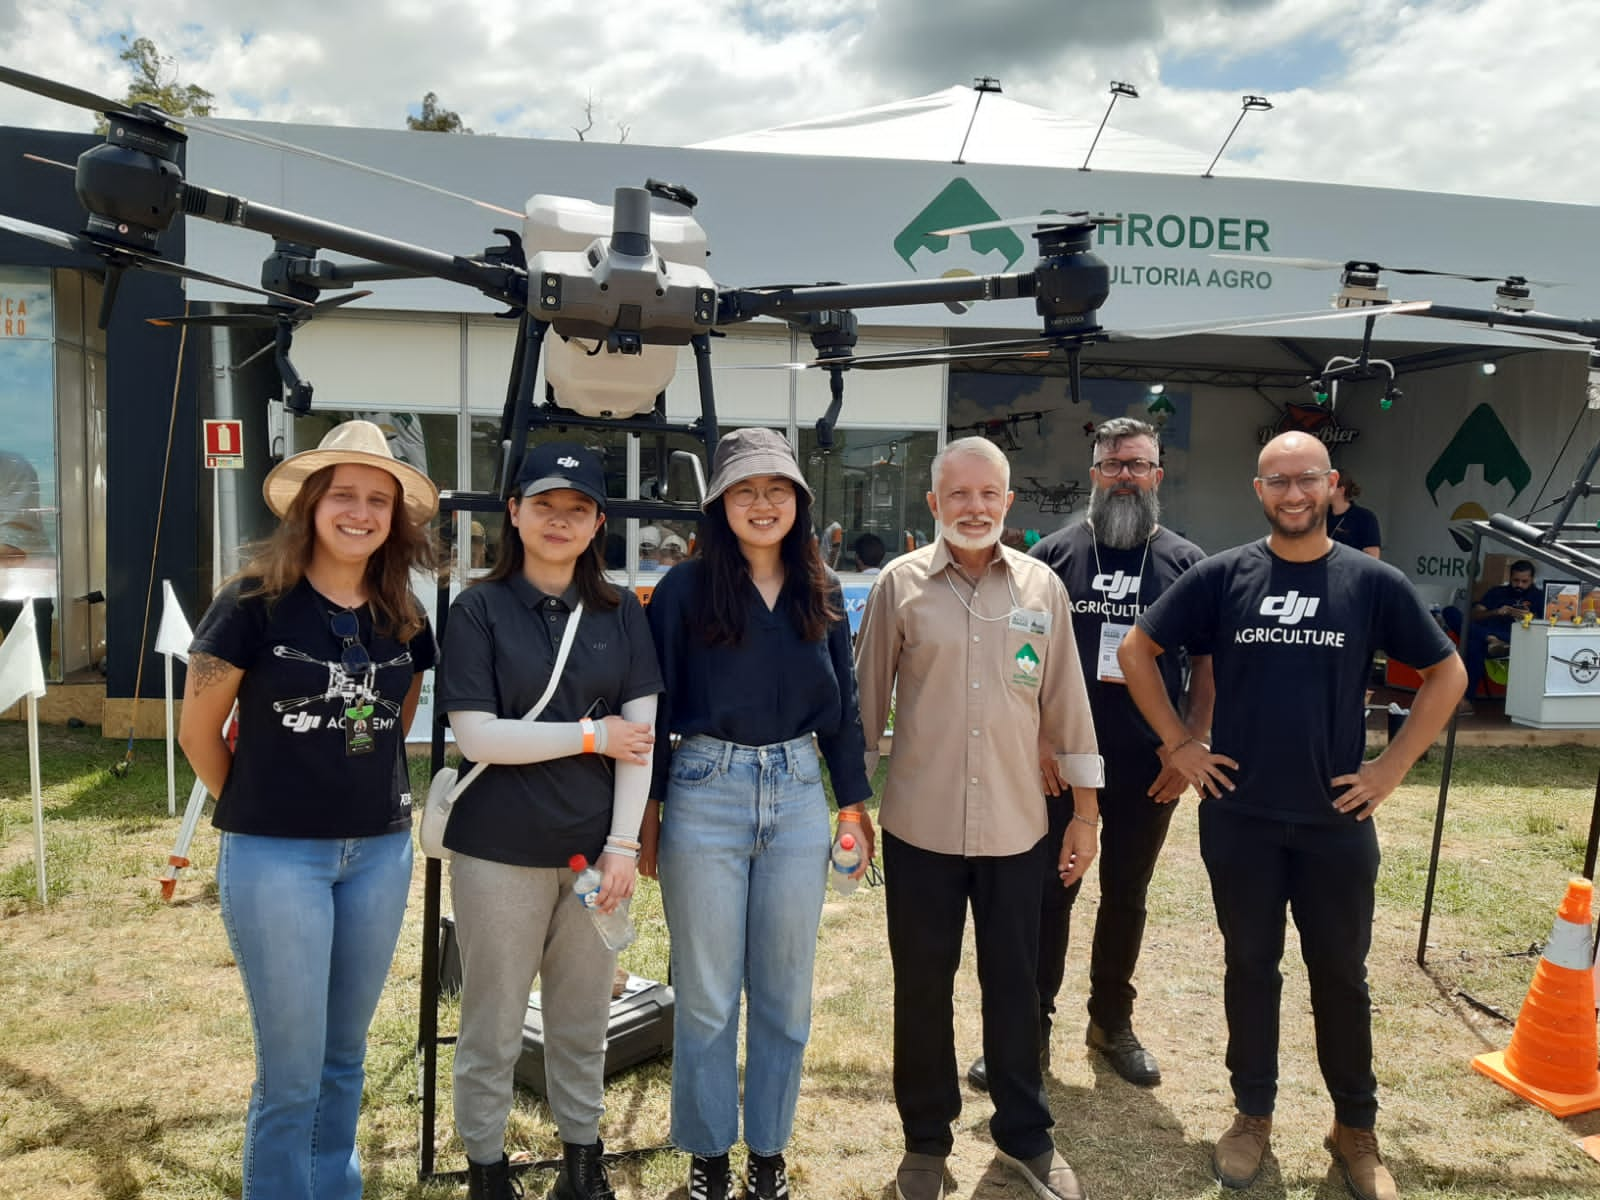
(445, 789)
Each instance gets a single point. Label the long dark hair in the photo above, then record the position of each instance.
(589, 572)
(807, 589)
(278, 564)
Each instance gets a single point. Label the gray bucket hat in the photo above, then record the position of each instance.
(748, 452)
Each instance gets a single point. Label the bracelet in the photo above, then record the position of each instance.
(1180, 745)
(622, 842)
(587, 725)
(849, 814)
(1094, 821)
(625, 852)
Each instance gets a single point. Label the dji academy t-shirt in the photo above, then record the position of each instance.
(1290, 645)
(1111, 588)
(293, 772)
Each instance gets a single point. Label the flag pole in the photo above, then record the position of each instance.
(38, 796)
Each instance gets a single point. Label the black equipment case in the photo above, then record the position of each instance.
(639, 1029)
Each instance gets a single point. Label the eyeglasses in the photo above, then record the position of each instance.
(776, 494)
(1138, 468)
(354, 657)
(1279, 484)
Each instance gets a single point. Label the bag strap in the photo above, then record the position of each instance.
(532, 714)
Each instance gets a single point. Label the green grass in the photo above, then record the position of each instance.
(125, 1052)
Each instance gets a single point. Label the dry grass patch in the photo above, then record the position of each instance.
(125, 1052)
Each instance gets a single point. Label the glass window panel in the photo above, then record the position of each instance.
(873, 484)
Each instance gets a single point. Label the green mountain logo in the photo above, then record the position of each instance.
(958, 204)
(1482, 441)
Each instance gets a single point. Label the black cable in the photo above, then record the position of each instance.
(1556, 462)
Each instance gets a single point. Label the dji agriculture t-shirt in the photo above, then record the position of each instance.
(1290, 645)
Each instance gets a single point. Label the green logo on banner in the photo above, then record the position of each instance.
(958, 204)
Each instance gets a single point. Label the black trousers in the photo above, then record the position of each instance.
(1325, 876)
(927, 895)
(1133, 830)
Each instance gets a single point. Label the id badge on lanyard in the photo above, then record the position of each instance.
(1111, 635)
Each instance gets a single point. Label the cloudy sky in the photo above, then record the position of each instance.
(1489, 97)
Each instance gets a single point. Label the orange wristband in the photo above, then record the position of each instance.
(587, 725)
(849, 815)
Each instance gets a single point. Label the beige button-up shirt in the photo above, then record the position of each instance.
(981, 681)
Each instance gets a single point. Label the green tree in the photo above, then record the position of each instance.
(155, 81)
(435, 119)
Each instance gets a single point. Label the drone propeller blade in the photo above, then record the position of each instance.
(65, 93)
(261, 318)
(53, 237)
(162, 267)
(1042, 220)
(1156, 332)
(924, 356)
(1279, 260)
(271, 143)
(1324, 264)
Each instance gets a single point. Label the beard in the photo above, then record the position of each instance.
(983, 541)
(1312, 524)
(1123, 520)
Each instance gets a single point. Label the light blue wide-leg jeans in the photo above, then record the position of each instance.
(743, 860)
(313, 924)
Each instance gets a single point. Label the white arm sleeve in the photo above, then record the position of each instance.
(486, 738)
(632, 788)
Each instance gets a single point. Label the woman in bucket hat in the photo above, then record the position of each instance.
(323, 646)
(574, 781)
(755, 651)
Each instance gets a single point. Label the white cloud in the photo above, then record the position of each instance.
(1459, 95)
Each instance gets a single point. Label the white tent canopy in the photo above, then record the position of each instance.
(1004, 131)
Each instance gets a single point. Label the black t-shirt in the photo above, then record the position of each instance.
(1290, 645)
(1505, 596)
(500, 645)
(1110, 586)
(291, 774)
(1356, 527)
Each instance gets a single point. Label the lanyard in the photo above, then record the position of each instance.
(1094, 541)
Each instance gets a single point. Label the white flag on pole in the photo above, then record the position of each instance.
(21, 672)
(174, 635)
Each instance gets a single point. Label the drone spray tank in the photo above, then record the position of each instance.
(624, 286)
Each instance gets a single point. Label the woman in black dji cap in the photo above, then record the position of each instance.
(572, 782)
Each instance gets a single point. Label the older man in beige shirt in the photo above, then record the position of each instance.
(973, 642)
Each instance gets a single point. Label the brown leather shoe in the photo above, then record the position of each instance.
(1236, 1161)
(1048, 1175)
(919, 1177)
(1356, 1152)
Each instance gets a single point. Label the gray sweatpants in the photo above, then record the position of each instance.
(514, 923)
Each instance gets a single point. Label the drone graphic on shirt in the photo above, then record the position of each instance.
(350, 690)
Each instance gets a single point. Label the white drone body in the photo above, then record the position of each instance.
(621, 301)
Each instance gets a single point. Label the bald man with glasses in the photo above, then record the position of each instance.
(1291, 623)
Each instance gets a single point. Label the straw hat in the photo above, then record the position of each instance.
(359, 442)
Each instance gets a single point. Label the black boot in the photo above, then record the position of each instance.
(492, 1181)
(583, 1174)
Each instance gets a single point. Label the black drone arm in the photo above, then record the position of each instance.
(742, 304)
(502, 281)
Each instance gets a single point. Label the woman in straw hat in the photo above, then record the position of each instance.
(756, 654)
(574, 781)
(323, 646)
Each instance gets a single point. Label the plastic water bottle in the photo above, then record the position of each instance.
(846, 857)
(615, 927)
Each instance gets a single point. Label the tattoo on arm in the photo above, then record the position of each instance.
(207, 669)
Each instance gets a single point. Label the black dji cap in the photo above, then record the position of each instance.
(562, 465)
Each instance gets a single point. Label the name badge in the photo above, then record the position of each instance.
(1030, 620)
(1111, 635)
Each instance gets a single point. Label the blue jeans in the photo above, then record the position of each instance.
(743, 861)
(313, 924)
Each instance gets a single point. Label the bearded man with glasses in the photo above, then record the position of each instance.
(1114, 564)
(1292, 622)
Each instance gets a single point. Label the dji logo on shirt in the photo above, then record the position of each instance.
(1116, 586)
(1290, 609)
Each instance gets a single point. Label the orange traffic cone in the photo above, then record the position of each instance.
(1551, 1058)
